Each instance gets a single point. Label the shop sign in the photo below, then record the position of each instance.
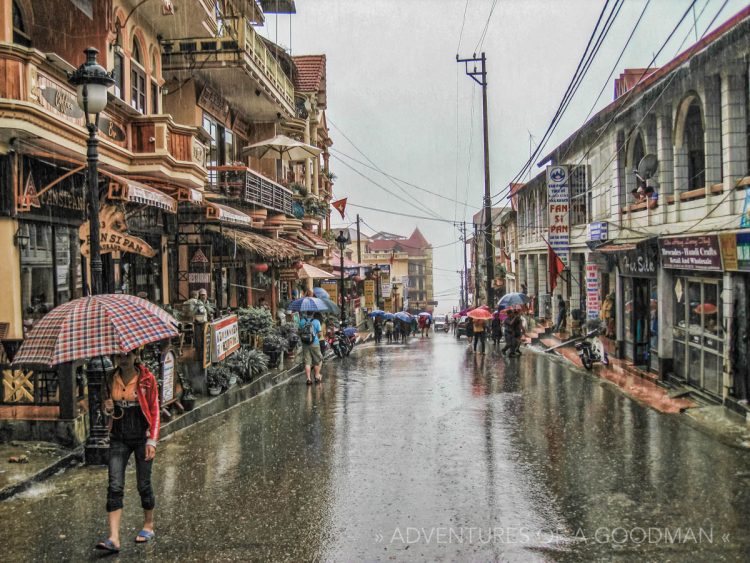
(214, 103)
(167, 377)
(113, 235)
(700, 252)
(350, 272)
(735, 251)
(558, 207)
(111, 129)
(225, 338)
(369, 294)
(637, 263)
(288, 274)
(597, 231)
(592, 291)
(199, 268)
(332, 288)
(385, 290)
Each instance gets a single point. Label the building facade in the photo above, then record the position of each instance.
(187, 206)
(646, 203)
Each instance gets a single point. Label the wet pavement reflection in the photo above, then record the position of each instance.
(417, 452)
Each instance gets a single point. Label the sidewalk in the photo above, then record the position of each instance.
(42, 459)
(646, 388)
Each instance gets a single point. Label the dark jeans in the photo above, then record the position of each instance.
(479, 336)
(562, 318)
(119, 453)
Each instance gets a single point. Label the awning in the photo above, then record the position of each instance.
(265, 247)
(136, 192)
(227, 214)
(308, 271)
(315, 240)
(190, 195)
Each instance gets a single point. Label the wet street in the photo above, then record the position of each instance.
(417, 452)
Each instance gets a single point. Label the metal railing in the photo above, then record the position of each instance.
(249, 187)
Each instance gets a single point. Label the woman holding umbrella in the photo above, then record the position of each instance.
(133, 404)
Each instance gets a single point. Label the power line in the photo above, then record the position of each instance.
(400, 214)
(486, 27)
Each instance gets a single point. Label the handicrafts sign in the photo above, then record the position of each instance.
(226, 338)
(558, 207)
(691, 253)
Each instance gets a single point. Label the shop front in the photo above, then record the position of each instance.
(697, 322)
(639, 300)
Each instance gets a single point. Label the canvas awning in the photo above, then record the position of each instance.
(227, 214)
(265, 247)
(308, 271)
(127, 189)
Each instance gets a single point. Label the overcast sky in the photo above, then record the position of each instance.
(396, 91)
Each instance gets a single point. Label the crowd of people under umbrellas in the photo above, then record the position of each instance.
(398, 327)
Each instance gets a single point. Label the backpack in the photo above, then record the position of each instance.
(307, 334)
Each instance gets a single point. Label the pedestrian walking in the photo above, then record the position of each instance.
(519, 331)
(496, 328)
(377, 323)
(389, 330)
(132, 402)
(309, 335)
(469, 329)
(479, 333)
(422, 321)
(562, 314)
(509, 332)
(428, 324)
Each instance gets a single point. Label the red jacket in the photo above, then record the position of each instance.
(148, 397)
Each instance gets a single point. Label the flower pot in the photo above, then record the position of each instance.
(232, 380)
(188, 403)
(214, 391)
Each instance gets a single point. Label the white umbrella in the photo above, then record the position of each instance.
(282, 147)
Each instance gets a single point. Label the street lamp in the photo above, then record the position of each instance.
(342, 241)
(376, 271)
(91, 81)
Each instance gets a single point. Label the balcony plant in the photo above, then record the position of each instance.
(298, 190)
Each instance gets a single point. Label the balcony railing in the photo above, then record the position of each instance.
(236, 36)
(249, 187)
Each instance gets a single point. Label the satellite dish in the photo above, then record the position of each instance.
(647, 166)
(308, 105)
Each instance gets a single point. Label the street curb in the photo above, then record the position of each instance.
(231, 398)
(74, 457)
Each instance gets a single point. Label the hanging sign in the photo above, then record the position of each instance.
(369, 294)
(199, 268)
(332, 287)
(558, 208)
(288, 274)
(592, 291)
(113, 235)
(691, 253)
(385, 290)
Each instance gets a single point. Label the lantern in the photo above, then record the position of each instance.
(297, 265)
(260, 267)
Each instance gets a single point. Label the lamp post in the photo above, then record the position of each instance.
(342, 241)
(91, 81)
(376, 271)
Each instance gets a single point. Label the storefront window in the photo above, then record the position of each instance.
(50, 269)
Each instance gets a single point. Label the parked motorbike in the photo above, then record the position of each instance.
(349, 336)
(589, 353)
(334, 342)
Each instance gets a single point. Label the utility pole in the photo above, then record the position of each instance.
(462, 300)
(464, 279)
(475, 244)
(480, 77)
(359, 248)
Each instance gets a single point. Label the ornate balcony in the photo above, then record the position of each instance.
(238, 46)
(247, 186)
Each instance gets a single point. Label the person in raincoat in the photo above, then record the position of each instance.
(132, 402)
(496, 329)
(389, 330)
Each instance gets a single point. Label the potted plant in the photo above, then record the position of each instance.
(257, 363)
(289, 331)
(187, 399)
(254, 321)
(218, 379)
(273, 346)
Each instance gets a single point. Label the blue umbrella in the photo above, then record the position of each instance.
(512, 299)
(377, 313)
(332, 307)
(404, 316)
(320, 293)
(388, 316)
(312, 304)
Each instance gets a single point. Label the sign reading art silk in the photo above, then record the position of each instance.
(558, 207)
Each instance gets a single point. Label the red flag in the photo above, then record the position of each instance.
(556, 266)
(340, 206)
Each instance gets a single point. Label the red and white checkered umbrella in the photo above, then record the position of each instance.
(95, 326)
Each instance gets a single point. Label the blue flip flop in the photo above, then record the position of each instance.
(107, 545)
(146, 535)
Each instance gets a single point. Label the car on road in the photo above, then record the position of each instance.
(440, 323)
(461, 326)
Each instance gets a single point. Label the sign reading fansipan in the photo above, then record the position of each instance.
(558, 206)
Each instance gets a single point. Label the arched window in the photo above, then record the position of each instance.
(137, 78)
(638, 151)
(693, 140)
(20, 34)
